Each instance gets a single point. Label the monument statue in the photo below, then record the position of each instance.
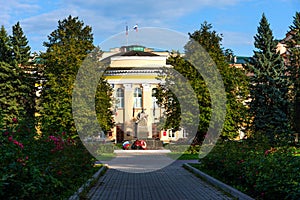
(142, 118)
(141, 125)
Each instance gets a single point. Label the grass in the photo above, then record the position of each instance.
(184, 156)
(106, 156)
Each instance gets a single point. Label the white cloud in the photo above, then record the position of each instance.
(9, 9)
(107, 17)
(166, 9)
(236, 38)
(111, 16)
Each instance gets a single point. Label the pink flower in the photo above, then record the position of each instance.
(5, 133)
(10, 138)
(19, 144)
(14, 120)
(267, 152)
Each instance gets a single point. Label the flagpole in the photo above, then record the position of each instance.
(136, 35)
(126, 34)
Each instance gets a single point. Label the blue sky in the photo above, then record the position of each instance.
(237, 20)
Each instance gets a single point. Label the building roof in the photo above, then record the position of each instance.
(241, 59)
(138, 53)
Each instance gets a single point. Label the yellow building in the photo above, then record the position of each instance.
(132, 73)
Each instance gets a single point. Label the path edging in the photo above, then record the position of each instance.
(232, 191)
(76, 195)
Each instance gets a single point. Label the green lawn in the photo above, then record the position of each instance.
(106, 156)
(184, 156)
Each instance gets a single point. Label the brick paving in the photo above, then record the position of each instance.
(171, 182)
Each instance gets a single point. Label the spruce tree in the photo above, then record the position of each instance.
(10, 84)
(20, 47)
(269, 88)
(5, 46)
(9, 96)
(293, 63)
(27, 72)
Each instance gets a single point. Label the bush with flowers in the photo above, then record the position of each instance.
(261, 171)
(41, 167)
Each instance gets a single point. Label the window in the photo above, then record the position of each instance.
(137, 101)
(120, 98)
(154, 99)
(171, 133)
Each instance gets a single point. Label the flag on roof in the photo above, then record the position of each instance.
(126, 30)
(135, 28)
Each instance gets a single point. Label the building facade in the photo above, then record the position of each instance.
(133, 74)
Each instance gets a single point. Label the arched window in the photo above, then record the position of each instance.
(137, 98)
(120, 98)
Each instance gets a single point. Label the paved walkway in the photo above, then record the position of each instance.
(171, 182)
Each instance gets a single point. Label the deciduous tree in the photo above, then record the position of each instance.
(67, 47)
(235, 83)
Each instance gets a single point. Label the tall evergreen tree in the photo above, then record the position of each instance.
(20, 47)
(5, 46)
(293, 63)
(27, 72)
(12, 93)
(9, 82)
(269, 88)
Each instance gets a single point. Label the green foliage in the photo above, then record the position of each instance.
(68, 46)
(5, 46)
(293, 64)
(177, 97)
(9, 96)
(17, 84)
(92, 93)
(256, 169)
(269, 88)
(27, 72)
(34, 167)
(234, 79)
(103, 105)
(19, 43)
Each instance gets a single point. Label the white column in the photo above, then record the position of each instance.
(147, 105)
(128, 105)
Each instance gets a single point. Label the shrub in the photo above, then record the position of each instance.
(40, 167)
(258, 170)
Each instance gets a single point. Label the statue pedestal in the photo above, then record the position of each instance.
(142, 132)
